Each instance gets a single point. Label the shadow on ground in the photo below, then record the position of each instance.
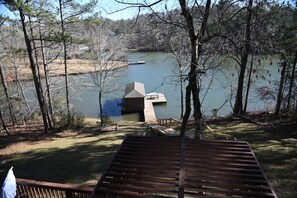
(81, 161)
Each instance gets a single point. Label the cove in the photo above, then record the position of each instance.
(158, 75)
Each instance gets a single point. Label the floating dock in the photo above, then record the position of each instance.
(136, 63)
(155, 97)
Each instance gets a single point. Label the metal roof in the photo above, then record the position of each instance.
(174, 167)
(134, 90)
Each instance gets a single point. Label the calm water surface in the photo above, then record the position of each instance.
(157, 73)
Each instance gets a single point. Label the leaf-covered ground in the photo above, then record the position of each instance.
(80, 157)
(74, 157)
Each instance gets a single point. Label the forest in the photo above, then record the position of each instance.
(47, 38)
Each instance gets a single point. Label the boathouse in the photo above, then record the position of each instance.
(134, 97)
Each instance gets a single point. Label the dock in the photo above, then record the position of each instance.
(156, 98)
(149, 112)
(150, 100)
(150, 118)
(136, 63)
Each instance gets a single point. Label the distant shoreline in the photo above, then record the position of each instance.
(74, 67)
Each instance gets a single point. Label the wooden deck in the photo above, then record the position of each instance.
(174, 167)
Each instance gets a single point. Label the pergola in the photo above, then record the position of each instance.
(175, 167)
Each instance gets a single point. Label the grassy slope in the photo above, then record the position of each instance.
(68, 157)
(275, 148)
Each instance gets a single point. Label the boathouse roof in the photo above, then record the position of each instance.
(175, 167)
(134, 90)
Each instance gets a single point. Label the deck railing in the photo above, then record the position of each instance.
(168, 122)
(30, 188)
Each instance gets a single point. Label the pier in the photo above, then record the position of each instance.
(150, 100)
(157, 126)
(136, 63)
(149, 112)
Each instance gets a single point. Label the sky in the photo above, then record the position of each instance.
(115, 11)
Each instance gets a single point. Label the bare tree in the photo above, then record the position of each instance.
(197, 37)
(4, 83)
(292, 79)
(107, 51)
(16, 52)
(22, 10)
(245, 50)
(7, 96)
(181, 55)
(68, 13)
(280, 92)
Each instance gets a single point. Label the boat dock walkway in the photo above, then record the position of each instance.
(149, 111)
(150, 115)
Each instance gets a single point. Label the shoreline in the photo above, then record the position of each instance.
(74, 67)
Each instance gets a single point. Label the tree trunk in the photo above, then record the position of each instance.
(187, 111)
(34, 49)
(280, 88)
(38, 69)
(193, 86)
(3, 123)
(50, 114)
(37, 83)
(10, 107)
(19, 84)
(196, 88)
(197, 107)
(65, 58)
(181, 97)
(292, 81)
(238, 109)
(248, 86)
(192, 74)
(100, 108)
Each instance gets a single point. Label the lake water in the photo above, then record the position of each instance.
(157, 73)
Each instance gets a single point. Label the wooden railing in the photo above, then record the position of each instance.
(168, 122)
(30, 188)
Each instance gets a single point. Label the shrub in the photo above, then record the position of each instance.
(72, 121)
(107, 120)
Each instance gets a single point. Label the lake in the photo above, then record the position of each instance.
(157, 75)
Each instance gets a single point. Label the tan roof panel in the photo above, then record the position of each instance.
(134, 90)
